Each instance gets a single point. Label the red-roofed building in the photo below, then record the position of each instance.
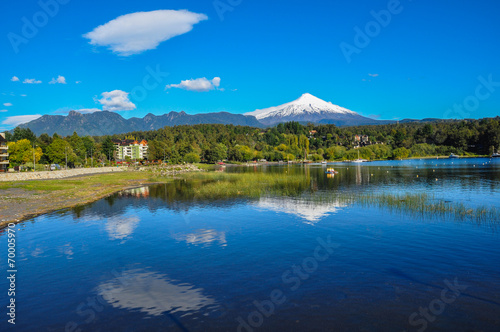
(131, 148)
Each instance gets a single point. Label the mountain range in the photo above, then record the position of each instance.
(305, 109)
(109, 123)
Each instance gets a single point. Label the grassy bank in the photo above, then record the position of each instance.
(21, 200)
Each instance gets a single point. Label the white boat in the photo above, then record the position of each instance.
(495, 155)
(324, 162)
(452, 156)
(359, 160)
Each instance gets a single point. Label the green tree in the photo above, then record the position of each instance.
(316, 157)
(21, 152)
(158, 150)
(23, 133)
(89, 144)
(401, 153)
(215, 153)
(58, 150)
(246, 152)
(78, 145)
(234, 154)
(192, 158)
(108, 148)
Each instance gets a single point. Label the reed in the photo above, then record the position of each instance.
(253, 185)
(420, 205)
(205, 186)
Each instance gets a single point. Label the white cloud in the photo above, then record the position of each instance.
(31, 81)
(198, 85)
(23, 95)
(14, 79)
(78, 82)
(373, 75)
(3, 111)
(59, 80)
(216, 82)
(138, 32)
(116, 100)
(7, 104)
(20, 119)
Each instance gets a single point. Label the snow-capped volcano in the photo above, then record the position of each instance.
(309, 108)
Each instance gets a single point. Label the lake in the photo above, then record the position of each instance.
(156, 259)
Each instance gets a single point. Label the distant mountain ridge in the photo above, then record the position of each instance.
(109, 123)
(306, 109)
(309, 108)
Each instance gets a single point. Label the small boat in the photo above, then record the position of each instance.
(453, 156)
(331, 171)
(495, 155)
(359, 160)
(324, 162)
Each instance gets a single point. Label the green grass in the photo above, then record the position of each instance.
(206, 167)
(230, 185)
(83, 182)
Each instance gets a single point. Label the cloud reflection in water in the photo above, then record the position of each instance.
(203, 237)
(312, 212)
(153, 293)
(121, 227)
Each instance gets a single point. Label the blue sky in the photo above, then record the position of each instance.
(419, 59)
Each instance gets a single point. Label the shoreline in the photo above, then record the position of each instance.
(22, 200)
(23, 217)
(277, 163)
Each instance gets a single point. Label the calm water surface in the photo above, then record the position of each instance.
(154, 259)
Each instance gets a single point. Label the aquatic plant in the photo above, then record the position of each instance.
(215, 185)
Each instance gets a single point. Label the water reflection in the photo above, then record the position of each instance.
(120, 227)
(153, 293)
(310, 211)
(203, 237)
(67, 250)
(142, 192)
(458, 182)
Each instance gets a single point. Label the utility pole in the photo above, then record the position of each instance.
(34, 161)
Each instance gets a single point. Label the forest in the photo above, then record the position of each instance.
(210, 143)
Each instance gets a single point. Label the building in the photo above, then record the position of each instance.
(4, 154)
(130, 148)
